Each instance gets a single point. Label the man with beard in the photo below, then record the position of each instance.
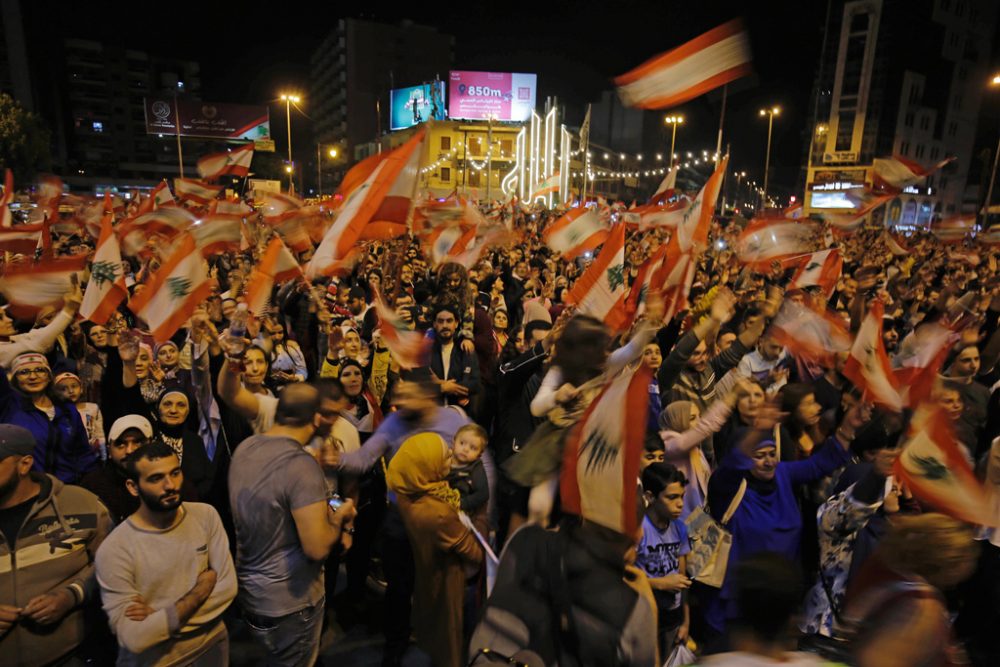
(110, 481)
(285, 529)
(455, 370)
(165, 574)
(417, 411)
(49, 533)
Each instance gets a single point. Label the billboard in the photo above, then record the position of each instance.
(412, 106)
(500, 95)
(206, 119)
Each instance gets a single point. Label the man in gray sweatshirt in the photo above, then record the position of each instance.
(165, 573)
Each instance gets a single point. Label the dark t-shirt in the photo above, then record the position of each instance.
(12, 518)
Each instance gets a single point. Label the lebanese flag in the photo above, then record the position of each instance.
(385, 197)
(194, 190)
(920, 360)
(160, 196)
(868, 365)
(31, 286)
(6, 220)
(278, 206)
(897, 244)
(667, 186)
(549, 186)
(217, 232)
(667, 214)
(166, 221)
(277, 265)
(48, 194)
(692, 229)
(601, 458)
(498, 235)
(600, 292)
(793, 212)
(575, 233)
(865, 201)
(811, 335)
(719, 56)
(20, 239)
(409, 348)
(934, 468)
(895, 173)
(226, 207)
(230, 163)
(766, 240)
(954, 229)
(106, 288)
(449, 242)
(635, 303)
(820, 269)
(173, 293)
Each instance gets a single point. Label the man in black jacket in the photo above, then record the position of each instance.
(454, 369)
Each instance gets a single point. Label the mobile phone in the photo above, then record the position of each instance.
(335, 502)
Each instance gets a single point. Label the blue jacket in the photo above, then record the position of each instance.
(764, 521)
(62, 448)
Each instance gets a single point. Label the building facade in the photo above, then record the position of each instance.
(902, 78)
(355, 67)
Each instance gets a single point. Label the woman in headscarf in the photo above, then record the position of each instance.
(172, 411)
(443, 547)
(684, 430)
(364, 413)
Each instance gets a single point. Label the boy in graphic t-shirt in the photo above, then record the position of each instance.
(663, 550)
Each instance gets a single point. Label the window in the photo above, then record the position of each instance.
(474, 178)
(957, 102)
(925, 123)
(914, 93)
(507, 147)
(476, 145)
(97, 126)
(952, 129)
(446, 143)
(859, 22)
(904, 147)
(845, 131)
(918, 151)
(445, 173)
(908, 120)
(934, 153)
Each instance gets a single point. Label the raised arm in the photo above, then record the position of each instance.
(709, 423)
(234, 394)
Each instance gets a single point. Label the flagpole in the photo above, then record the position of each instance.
(177, 128)
(722, 118)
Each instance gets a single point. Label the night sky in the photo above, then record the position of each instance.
(249, 51)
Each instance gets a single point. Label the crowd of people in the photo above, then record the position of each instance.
(153, 497)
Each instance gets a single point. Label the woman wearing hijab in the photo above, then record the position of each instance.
(684, 429)
(443, 547)
(172, 411)
(767, 518)
(364, 413)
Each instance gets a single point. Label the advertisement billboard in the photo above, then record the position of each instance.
(206, 119)
(500, 95)
(412, 106)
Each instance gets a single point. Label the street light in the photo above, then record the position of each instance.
(770, 113)
(289, 99)
(673, 121)
(993, 175)
(333, 153)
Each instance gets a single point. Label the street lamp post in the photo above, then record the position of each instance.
(673, 121)
(740, 175)
(319, 167)
(993, 174)
(289, 100)
(770, 113)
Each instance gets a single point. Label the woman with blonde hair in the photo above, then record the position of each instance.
(443, 547)
(897, 607)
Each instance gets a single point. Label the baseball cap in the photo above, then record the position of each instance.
(15, 441)
(123, 424)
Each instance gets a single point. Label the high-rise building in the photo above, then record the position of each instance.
(899, 77)
(357, 65)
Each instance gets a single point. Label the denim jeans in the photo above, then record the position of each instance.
(292, 640)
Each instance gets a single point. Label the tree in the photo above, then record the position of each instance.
(24, 141)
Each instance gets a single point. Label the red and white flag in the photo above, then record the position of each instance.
(766, 240)
(897, 244)
(954, 229)
(895, 173)
(278, 206)
(668, 214)
(601, 457)
(20, 239)
(48, 195)
(715, 58)
(6, 220)
(195, 190)
(920, 358)
(692, 229)
(384, 197)
(865, 202)
(600, 292)
(811, 335)
(446, 243)
(226, 207)
(820, 269)
(549, 186)
(174, 291)
(31, 286)
(106, 288)
(635, 303)
(575, 233)
(230, 163)
(217, 232)
(409, 348)
(934, 468)
(160, 196)
(868, 365)
(166, 221)
(667, 186)
(278, 265)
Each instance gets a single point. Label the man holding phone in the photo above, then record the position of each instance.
(285, 529)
